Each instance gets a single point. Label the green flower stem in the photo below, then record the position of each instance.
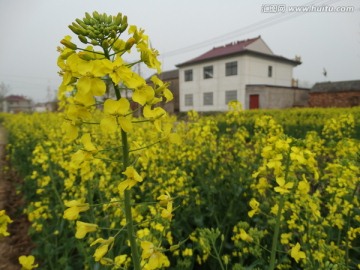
(80, 49)
(144, 147)
(128, 214)
(127, 193)
(217, 256)
(53, 186)
(276, 234)
(133, 64)
(278, 219)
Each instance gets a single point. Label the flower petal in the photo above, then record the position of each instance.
(108, 125)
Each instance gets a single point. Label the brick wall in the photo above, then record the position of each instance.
(277, 97)
(335, 99)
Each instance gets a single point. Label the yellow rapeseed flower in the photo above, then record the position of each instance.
(187, 252)
(4, 221)
(164, 198)
(245, 236)
(144, 94)
(304, 186)
(162, 89)
(254, 204)
(105, 245)
(88, 145)
(27, 262)
(153, 113)
(82, 228)
(285, 237)
(283, 187)
(75, 207)
(154, 258)
(132, 179)
(120, 260)
(116, 111)
(166, 213)
(296, 254)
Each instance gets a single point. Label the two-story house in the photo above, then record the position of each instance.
(209, 81)
(16, 104)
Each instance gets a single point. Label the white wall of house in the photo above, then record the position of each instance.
(256, 71)
(260, 46)
(250, 70)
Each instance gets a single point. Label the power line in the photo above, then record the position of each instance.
(247, 29)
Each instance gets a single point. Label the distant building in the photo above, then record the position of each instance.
(39, 107)
(209, 81)
(16, 104)
(335, 94)
(50, 106)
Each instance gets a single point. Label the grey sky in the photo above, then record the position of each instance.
(30, 31)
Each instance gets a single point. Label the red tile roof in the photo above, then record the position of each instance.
(238, 47)
(15, 98)
(230, 48)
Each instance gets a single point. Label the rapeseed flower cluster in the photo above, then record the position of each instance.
(99, 88)
(4, 221)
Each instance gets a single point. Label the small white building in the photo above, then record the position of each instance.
(209, 81)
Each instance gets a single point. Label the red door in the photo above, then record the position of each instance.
(254, 102)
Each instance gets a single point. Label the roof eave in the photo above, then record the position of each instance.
(279, 58)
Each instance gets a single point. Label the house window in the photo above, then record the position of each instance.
(188, 75)
(269, 71)
(208, 98)
(208, 72)
(189, 100)
(230, 95)
(231, 68)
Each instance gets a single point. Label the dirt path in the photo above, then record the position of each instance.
(3, 188)
(18, 243)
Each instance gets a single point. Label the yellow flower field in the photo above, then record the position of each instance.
(222, 199)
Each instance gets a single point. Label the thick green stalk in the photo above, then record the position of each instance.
(127, 193)
(127, 199)
(276, 235)
(127, 202)
(278, 219)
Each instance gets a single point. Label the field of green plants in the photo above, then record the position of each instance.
(240, 190)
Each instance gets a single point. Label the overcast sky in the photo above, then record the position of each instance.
(30, 31)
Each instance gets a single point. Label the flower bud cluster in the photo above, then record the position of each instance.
(97, 29)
